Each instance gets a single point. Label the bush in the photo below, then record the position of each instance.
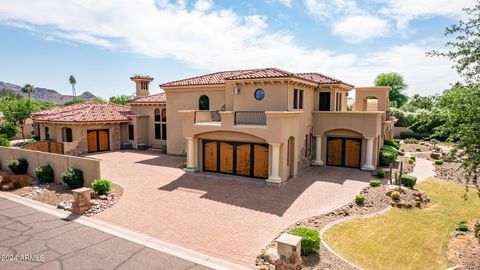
(380, 173)
(414, 135)
(439, 162)
(418, 149)
(390, 148)
(375, 183)
(397, 141)
(359, 199)
(8, 129)
(462, 226)
(408, 180)
(410, 161)
(4, 141)
(73, 178)
(310, 239)
(387, 156)
(395, 195)
(45, 174)
(101, 187)
(414, 158)
(18, 166)
(391, 143)
(410, 141)
(28, 142)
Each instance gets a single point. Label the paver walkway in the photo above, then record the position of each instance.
(219, 215)
(423, 169)
(51, 243)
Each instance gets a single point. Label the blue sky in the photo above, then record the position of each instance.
(104, 42)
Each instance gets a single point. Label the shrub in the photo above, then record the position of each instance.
(418, 149)
(397, 141)
(387, 155)
(45, 174)
(391, 143)
(395, 195)
(439, 162)
(410, 141)
(8, 129)
(408, 180)
(101, 186)
(73, 178)
(18, 166)
(380, 173)
(462, 226)
(310, 239)
(375, 183)
(414, 158)
(4, 141)
(23, 181)
(414, 135)
(410, 161)
(359, 199)
(436, 149)
(390, 148)
(28, 142)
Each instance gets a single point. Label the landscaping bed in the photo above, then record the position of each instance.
(464, 248)
(375, 200)
(452, 172)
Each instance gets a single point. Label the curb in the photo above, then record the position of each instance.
(329, 225)
(136, 237)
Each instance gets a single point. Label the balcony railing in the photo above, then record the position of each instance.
(250, 118)
(207, 116)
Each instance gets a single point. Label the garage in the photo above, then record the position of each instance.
(239, 158)
(344, 152)
(98, 140)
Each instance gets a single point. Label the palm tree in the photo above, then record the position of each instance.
(28, 89)
(73, 82)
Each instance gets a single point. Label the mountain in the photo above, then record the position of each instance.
(45, 94)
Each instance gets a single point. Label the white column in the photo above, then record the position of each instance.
(318, 151)
(191, 155)
(368, 166)
(274, 177)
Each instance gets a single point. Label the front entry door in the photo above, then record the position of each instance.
(98, 140)
(344, 152)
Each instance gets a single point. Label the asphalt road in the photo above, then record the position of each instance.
(31, 239)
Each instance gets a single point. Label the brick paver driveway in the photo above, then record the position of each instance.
(224, 216)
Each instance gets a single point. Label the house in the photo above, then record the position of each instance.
(271, 124)
(84, 127)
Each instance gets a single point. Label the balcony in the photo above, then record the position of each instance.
(367, 123)
(212, 117)
(250, 118)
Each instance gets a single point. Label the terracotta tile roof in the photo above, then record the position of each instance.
(156, 98)
(221, 77)
(85, 112)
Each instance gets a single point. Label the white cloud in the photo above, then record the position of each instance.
(213, 39)
(403, 11)
(324, 10)
(287, 3)
(359, 28)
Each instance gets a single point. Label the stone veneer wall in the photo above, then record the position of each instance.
(79, 147)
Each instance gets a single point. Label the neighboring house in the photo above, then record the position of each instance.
(84, 127)
(270, 123)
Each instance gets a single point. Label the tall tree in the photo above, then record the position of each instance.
(28, 89)
(396, 82)
(121, 99)
(73, 81)
(17, 111)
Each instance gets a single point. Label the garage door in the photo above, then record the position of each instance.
(98, 140)
(239, 158)
(344, 152)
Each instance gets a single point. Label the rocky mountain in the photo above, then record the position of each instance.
(45, 94)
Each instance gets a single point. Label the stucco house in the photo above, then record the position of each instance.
(264, 123)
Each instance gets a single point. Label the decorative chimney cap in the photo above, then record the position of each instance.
(141, 78)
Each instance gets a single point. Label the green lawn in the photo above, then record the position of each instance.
(407, 239)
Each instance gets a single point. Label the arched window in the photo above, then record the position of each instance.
(47, 135)
(164, 115)
(67, 135)
(204, 103)
(157, 115)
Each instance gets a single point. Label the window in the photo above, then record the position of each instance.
(338, 103)
(297, 99)
(131, 135)
(259, 94)
(68, 135)
(157, 115)
(324, 104)
(47, 135)
(164, 131)
(158, 135)
(144, 85)
(164, 115)
(203, 103)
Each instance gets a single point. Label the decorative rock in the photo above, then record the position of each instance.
(102, 197)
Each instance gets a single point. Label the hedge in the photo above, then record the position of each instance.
(310, 239)
(415, 135)
(408, 180)
(391, 143)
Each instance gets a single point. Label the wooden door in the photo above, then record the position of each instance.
(210, 156)
(352, 153)
(103, 144)
(260, 165)
(226, 157)
(334, 152)
(92, 141)
(243, 159)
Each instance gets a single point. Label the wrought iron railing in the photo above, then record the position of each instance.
(250, 118)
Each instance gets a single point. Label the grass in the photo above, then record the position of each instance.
(407, 239)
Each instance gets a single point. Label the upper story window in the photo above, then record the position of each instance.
(297, 99)
(203, 103)
(144, 85)
(324, 102)
(259, 94)
(164, 115)
(157, 115)
(338, 104)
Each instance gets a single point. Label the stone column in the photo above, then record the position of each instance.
(191, 155)
(274, 177)
(368, 166)
(81, 200)
(318, 151)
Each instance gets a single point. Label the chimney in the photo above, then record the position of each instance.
(141, 85)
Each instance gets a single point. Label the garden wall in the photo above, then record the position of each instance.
(59, 163)
(397, 130)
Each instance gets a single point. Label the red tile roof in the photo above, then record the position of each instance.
(85, 112)
(221, 77)
(156, 98)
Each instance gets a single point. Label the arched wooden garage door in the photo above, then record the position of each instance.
(98, 140)
(344, 152)
(239, 158)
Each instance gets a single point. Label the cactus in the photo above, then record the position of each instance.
(401, 169)
(397, 180)
(390, 174)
